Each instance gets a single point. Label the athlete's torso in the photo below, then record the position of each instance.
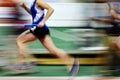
(37, 13)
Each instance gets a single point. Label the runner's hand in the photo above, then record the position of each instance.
(22, 4)
(41, 24)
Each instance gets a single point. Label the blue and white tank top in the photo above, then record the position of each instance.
(37, 14)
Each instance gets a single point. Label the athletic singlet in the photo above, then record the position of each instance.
(115, 29)
(37, 14)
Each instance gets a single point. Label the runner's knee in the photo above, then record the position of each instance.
(18, 41)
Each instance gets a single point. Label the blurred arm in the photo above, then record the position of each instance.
(102, 20)
(42, 4)
(25, 7)
(114, 14)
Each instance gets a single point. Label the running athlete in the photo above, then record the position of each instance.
(114, 35)
(114, 31)
(42, 33)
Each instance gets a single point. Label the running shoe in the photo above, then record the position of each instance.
(75, 68)
(21, 66)
(24, 65)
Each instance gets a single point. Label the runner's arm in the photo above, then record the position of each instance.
(25, 7)
(102, 20)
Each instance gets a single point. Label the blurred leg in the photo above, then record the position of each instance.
(23, 38)
(48, 44)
